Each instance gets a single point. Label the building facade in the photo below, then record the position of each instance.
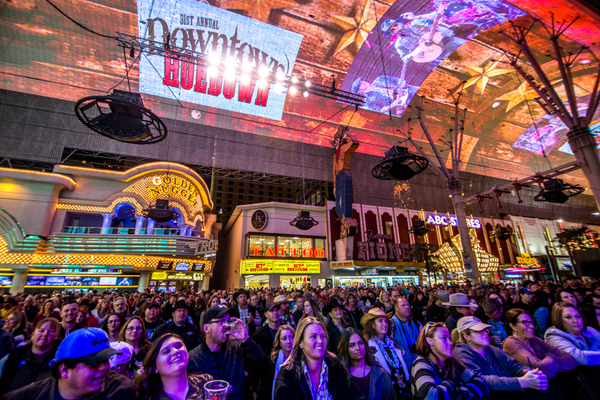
(80, 229)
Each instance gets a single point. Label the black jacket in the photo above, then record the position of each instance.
(237, 363)
(263, 338)
(339, 383)
(116, 387)
(188, 332)
(20, 369)
(334, 337)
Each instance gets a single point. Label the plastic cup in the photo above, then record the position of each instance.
(217, 390)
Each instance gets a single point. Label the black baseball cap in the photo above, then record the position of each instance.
(216, 312)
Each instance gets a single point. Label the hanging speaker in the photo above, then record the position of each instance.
(399, 164)
(161, 212)
(419, 228)
(121, 116)
(304, 221)
(557, 191)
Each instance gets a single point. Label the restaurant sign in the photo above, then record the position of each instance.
(280, 267)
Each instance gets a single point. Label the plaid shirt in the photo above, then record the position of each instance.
(244, 315)
(321, 392)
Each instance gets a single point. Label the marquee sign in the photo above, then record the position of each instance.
(280, 267)
(202, 28)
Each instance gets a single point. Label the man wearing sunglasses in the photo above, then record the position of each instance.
(228, 353)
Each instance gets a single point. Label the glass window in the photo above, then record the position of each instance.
(285, 247)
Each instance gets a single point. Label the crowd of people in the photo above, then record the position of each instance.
(455, 341)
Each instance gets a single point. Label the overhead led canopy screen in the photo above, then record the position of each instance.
(244, 57)
(410, 41)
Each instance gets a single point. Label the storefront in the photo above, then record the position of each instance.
(104, 229)
(356, 273)
(276, 245)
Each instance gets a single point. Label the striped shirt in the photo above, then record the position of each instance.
(430, 384)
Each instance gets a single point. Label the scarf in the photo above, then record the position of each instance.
(387, 347)
(280, 360)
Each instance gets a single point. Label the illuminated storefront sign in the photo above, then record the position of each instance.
(440, 219)
(341, 264)
(202, 28)
(527, 259)
(286, 252)
(172, 186)
(513, 276)
(85, 271)
(207, 248)
(280, 267)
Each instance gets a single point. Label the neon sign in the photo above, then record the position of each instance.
(434, 219)
(280, 267)
(255, 251)
(202, 28)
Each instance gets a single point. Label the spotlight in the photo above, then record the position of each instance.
(212, 71)
(214, 59)
(294, 79)
(230, 63)
(305, 93)
(293, 90)
(280, 75)
(229, 75)
(496, 104)
(307, 84)
(245, 79)
(263, 71)
(584, 62)
(262, 83)
(246, 66)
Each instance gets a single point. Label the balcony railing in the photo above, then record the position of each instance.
(120, 240)
(96, 230)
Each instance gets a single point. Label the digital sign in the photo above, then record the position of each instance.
(280, 267)
(72, 281)
(202, 28)
(410, 41)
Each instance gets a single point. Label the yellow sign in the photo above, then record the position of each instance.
(293, 267)
(526, 259)
(159, 276)
(342, 264)
(280, 267)
(257, 267)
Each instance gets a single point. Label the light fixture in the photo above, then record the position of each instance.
(230, 63)
(214, 59)
(293, 90)
(161, 212)
(305, 93)
(263, 71)
(278, 87)
(596, 213)
(245, 79)
(496, 104)
(304, 221)
(262, 83)
(212, 71)
(294, 79)
(280, 75)
(560, 221)
(246, 67)
(399, 164)
(128, 120)
(229, 75)
(307, 84)
(585, 61)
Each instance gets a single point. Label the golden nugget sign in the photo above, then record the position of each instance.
(280, 267)
(172, 186)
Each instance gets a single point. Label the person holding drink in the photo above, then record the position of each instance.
(228, 353)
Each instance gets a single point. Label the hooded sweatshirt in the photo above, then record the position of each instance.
(585, 351)
(499, 371)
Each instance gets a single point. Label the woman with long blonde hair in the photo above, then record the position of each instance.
(310, 371)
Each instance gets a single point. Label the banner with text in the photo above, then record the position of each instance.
(202, 28)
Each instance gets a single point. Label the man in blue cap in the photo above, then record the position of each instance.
(81, 370)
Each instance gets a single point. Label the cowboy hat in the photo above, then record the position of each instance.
(330, 306)
(374, 313)
(280, 299)
(241, 291)
(459, 300)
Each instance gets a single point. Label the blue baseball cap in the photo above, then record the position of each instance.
(88, 345)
